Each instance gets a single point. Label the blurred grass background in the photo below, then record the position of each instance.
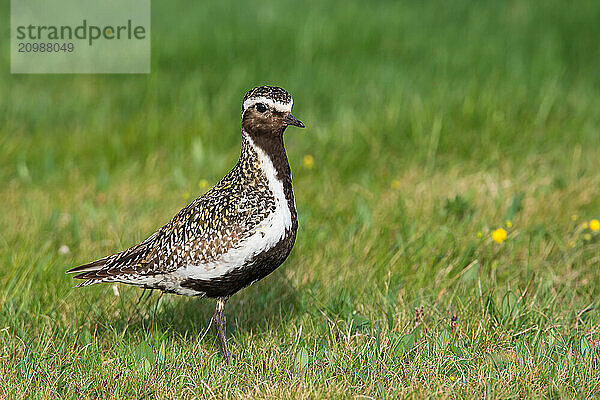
(430, 124)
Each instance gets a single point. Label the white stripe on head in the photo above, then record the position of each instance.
(276, 105)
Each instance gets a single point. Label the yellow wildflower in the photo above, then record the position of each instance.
(508, 224)
(574, 217)
(587, 237)
(479, 235)
(595, 225)
(203, 184)
(185, 195)
(571, 243)
(395, 184)
(308, 161)
(499, 235)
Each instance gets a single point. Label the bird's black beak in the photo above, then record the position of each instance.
(291, 120)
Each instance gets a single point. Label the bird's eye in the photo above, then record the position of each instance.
(260, 107)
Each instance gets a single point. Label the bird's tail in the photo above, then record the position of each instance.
(112, 268)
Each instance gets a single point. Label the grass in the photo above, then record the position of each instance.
(430, 123)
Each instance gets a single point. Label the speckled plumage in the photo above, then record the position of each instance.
(234, 234)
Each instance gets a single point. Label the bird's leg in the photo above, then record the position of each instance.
(219, 321)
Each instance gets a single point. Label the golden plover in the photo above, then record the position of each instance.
(235, 234)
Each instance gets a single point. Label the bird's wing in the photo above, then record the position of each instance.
(199, 233)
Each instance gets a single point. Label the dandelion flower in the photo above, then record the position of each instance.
(508, 224)
(574, 217)
(308, 161)
(587, 237)
(595, 225)
(479, 235)
(499, 235)
(571, 243)
(395, 184)
(203, 184)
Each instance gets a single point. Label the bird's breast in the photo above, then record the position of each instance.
(265, 246)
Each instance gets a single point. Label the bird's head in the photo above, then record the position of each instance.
(267, 111)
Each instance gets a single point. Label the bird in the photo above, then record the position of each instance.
(235, 234)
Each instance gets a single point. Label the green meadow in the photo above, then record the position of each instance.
(430, 126)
